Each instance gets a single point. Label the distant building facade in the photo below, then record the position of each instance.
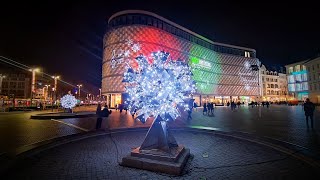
(298, 80)
(274, 85)
(313, 71)
(16, 85)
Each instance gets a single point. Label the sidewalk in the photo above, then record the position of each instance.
(213, 156)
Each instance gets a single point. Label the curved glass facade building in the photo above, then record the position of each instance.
(222, 72)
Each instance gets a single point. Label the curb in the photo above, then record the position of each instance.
(61, 117)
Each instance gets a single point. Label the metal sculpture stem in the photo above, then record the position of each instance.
(159, 137)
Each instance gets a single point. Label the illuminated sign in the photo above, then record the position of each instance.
(200, 63)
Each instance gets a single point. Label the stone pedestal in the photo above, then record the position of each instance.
(170, 162)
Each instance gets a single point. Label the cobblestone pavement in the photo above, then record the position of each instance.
(213, 157)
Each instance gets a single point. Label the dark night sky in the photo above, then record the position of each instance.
(66, 37)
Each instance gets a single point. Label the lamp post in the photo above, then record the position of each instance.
(79, 86)
(1, 78)
(33, 82)
(55, 86)
(46, 94)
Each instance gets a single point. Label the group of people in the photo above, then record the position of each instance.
(208, 108)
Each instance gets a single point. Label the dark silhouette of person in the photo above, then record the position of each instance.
(268, 104)
(205, 109)
(99, 115)
(120, 107)
(309, 108)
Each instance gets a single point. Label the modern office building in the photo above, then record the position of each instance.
(222, 72)
(298, 80)
(313, 71)
(274, 85)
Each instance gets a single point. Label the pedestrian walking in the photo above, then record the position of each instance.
(205, 111)
(309, 108)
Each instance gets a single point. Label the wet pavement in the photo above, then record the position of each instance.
(213, 156)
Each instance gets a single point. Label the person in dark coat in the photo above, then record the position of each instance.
(309, 108)
(99, 115)
(205, 111)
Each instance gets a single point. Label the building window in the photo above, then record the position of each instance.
(315, 87)
(275, 80)
(304, 67)
(308, 69)
(312, 67)
(318, 66)
(276, 86)
(290, 69)
(268, 85)
(304, 86)
(297, 68)
(314, 77)
(291, 87)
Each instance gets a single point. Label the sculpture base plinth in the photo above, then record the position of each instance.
(157, 160)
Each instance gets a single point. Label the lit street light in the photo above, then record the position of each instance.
(1, 78)
(55, 86)
(33, 82)
(79, 86)
(45, 93)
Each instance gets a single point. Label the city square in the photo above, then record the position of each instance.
(125, 90)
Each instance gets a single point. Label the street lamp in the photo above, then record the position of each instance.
(79, 86)
(33, 82)
(1, 78)
(55, 85)
(46, 94)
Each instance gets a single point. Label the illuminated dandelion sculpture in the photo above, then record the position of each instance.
(68, 101)
(158, 88)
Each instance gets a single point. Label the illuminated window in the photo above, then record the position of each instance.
(290, 69)
(297, 68)
(298, 87)
(290, 79)
(304, 86)
(304, 67)
(304, 77)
